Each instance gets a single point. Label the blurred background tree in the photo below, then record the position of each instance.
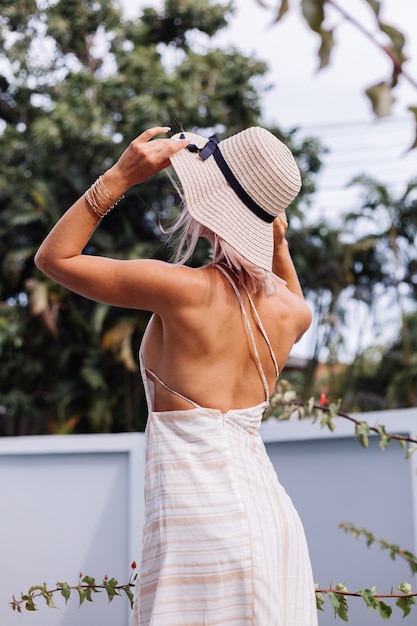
(78, 81)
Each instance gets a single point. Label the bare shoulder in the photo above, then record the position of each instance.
(286, 313)
(303, 315)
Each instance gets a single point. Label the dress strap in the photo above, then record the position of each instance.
(250, 332)
(262, 329)
(176, 393)
(148, 382)
(148, 395)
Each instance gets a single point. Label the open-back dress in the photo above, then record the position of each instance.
(222, 542)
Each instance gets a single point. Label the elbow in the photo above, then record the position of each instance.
(305, 321)
(42, 262)
(39, 260)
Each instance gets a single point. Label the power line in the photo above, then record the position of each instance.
(373, 148)
(382, 122)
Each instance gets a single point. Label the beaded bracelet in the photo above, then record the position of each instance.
(100, 199)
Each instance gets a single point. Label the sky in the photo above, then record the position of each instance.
(301, 94)
(330, 104)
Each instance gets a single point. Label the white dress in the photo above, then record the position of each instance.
(222, 542)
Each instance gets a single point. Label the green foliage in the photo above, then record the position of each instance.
(376, 269)
(85, 588)
(393, 549)
(285, 405)
(405, 603)
(173, 24)
(337, 595)
(65, 117)
(339, 602)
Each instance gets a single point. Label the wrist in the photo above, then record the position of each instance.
(281, 247)
(100, 199)
(115, 181)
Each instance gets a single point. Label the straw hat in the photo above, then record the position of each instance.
(236, 187)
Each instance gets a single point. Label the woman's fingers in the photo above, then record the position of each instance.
(280, 227)
(147, 155)
(152, 132)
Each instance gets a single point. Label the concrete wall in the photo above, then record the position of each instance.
(69, 504)
(75, 503)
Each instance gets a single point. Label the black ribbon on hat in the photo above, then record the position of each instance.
(212, 148)
(207, 150)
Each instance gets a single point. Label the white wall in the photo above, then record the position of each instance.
(69, 504)
(75, 503)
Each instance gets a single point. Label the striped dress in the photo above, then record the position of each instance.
(222, 542)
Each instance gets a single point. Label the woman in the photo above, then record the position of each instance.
(222, 542)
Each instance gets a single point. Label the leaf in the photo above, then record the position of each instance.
(313, 12)
(30, 605)
(81, 594)
(381, 99)
(405, 605)
(38, 295)
(65, 590)
(289, 396)
(35, 588)
(92, 587)
(334, 408)
(326, 47)
(47, 595)
(319, 599)
(286, 413)
(368, 595)
(327, 420)
(385, 610)
(397, 38)
(29, 602)
(362, 433)
(310, 405)
(339, 604)
(405, 588)
(110, 585)
(129, 594)
(384, 437)
(282, 10)
(410, 451)
(375, 6)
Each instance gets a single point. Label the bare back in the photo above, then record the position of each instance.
(204, 351)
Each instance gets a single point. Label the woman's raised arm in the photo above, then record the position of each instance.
(102, 279)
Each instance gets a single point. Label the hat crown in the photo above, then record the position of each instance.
(264, 166)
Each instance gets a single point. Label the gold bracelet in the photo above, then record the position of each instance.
(100, 199)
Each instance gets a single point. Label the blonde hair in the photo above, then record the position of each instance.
(184, 235)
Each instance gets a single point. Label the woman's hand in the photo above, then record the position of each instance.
(280, 226)
(144, 157)
(282, 264)
(60, 255)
